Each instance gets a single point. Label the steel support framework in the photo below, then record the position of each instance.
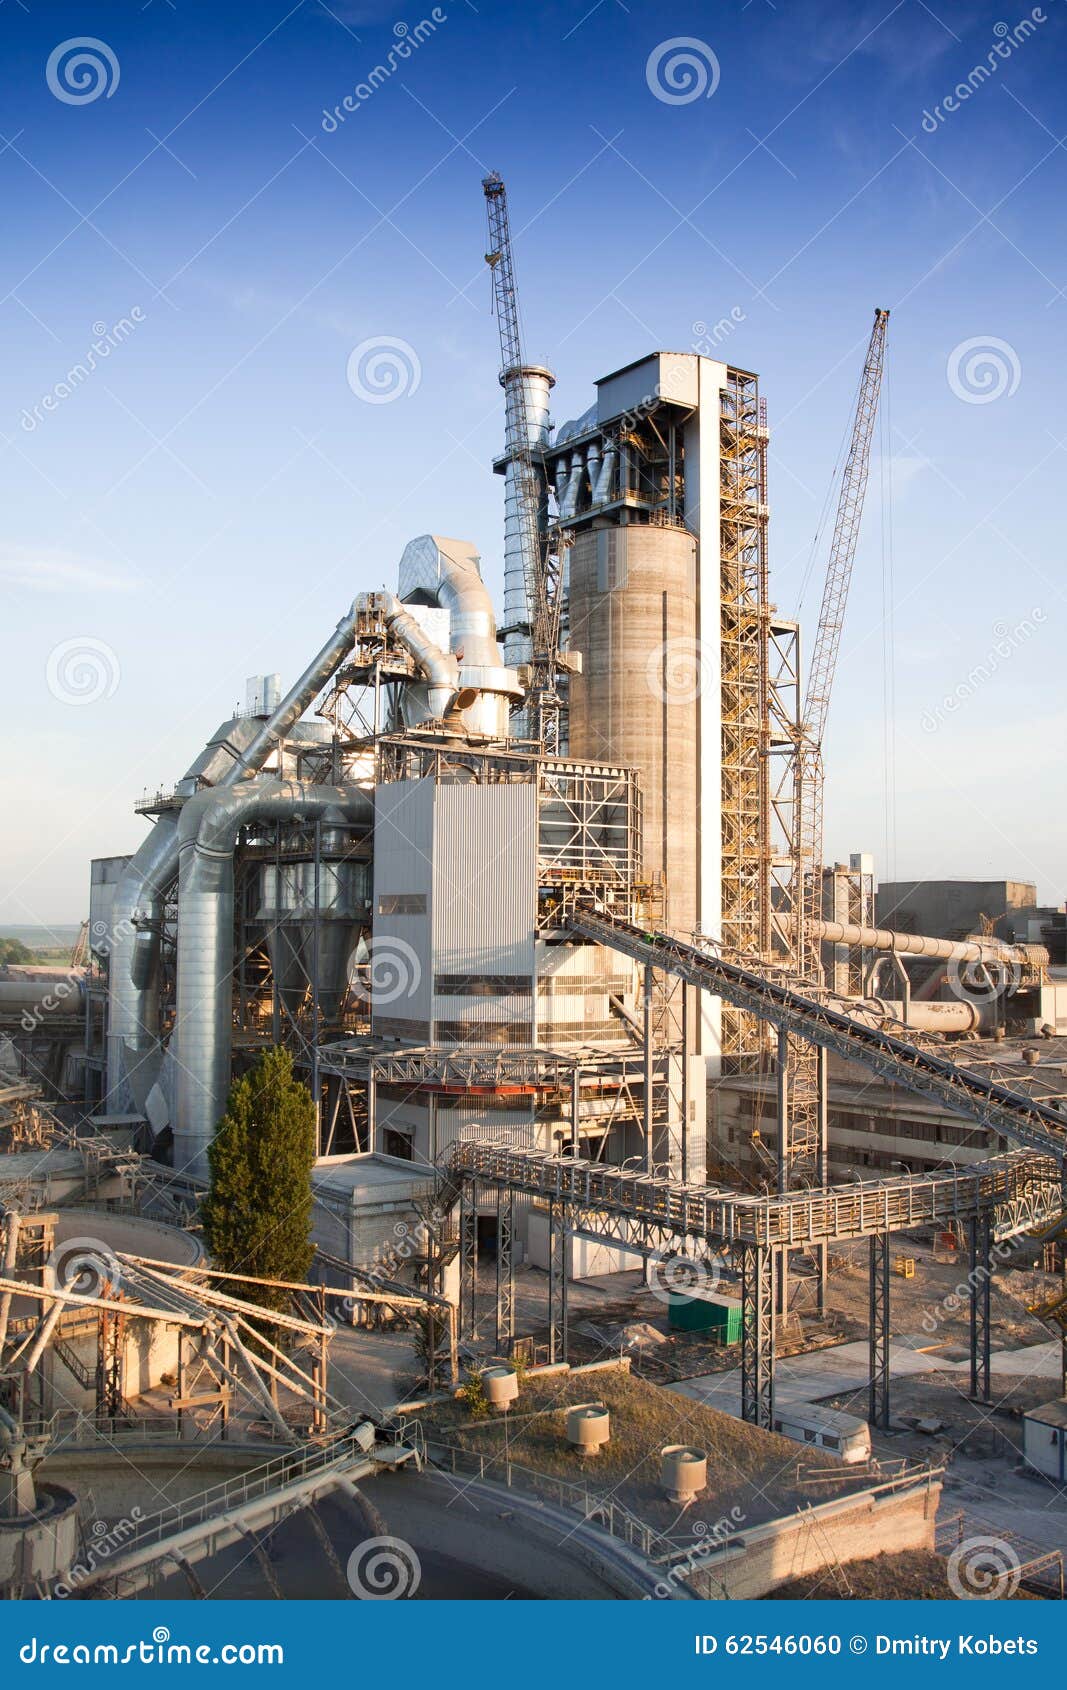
(557, 1282)
(505, 1269)
(980, 1281)
(878, 1329)
(758, 1270)
(854, 1032)
(468, 1259)
(744, 695)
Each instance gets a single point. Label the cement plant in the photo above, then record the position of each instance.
(687, 1211)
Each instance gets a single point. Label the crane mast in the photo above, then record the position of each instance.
(543, 547)
(824, 655)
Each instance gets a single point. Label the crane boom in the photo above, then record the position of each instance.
(828, 643)
(542, 551)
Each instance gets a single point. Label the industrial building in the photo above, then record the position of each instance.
(539, 906)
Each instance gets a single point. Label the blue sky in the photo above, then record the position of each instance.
(204, 505)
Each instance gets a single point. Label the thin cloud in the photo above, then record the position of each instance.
(56, 572)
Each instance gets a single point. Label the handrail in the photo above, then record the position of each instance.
(837, 1026)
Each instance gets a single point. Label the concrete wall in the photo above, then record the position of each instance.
(751, 1563)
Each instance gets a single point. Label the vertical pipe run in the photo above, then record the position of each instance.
(649, 1158)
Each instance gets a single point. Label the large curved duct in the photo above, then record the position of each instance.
(440, 668)
(448, 573)
(208, 831)
(137, 909)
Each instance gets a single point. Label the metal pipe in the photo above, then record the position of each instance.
(602, 490)
(137, 910)
(918, 945)
(438, 667)
(208, 832)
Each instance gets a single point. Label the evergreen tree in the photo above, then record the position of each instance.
(257, 1214)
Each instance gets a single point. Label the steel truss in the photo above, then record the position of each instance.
(468, 1259)
(980, 1281)
(878, 1330)
(850, 1031)
(758, 1268)
(558, 1234)
(744, 693)
(505, 1268)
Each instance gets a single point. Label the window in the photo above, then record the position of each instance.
(402, 903)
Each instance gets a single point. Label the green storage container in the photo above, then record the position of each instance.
(703, 1311)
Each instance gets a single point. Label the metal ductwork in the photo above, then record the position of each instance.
(918, 945)
(447, 572)
(606, 477)
(440, 669)
(573, 487)
(207, 837)
(526, 392)
(954, 1018)
(137, 909)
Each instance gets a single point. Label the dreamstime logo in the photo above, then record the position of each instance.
(672, 1275)
(678, 671)
(384, 1569)
(682, 70)
(82, 671)
(984, 981)
(709, 336)
(105, 340)
(81, 69)
(714, 1536)
(392, 971)
(384, 368)
(958, 1298)
(85, 1266)
(982, 369)
(100, 1543)
(407, 41)
(1007, 40)
(983, 1569)
(1007, 641)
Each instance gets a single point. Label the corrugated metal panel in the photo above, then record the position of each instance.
(485, 884)
(403, 864)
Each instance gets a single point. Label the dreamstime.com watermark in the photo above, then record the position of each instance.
(935, 1314)
(1007, 641)
(672, 1274)
(682, 70)
(983, 369)
(105, 340)
(983, 1569)
(383, 1569)
(82, 70)
(156, 1651)
(408, 41)
(1007, 41)
(101, 1543)
(383, 368)
(713, 1536)
(82, 670)
(57, 995)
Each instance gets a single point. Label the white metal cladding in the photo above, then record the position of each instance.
(665, 375)
(476, 1123)
(401, 952)
(484, 896)
(574, 985)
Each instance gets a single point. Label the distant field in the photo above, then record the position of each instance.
(49, 946)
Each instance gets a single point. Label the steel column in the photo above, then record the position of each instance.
(468, 1258)
(557, 1282)
(878, 1409)
(757, 1334)
(649, 1151)
(505, 1269)
(822, 1075)
(980, 1280)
